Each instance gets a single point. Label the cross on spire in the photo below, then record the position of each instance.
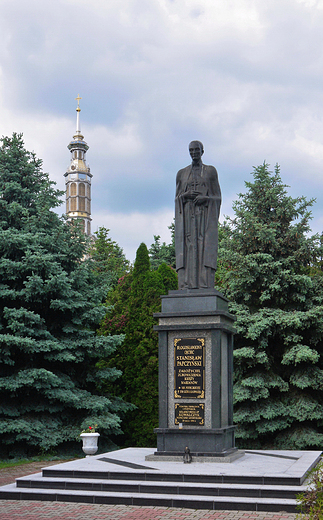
(78, 110)
(78, 102)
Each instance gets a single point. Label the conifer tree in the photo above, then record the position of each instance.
(163, 253)
(278, 301)
(134, 301)
(108, 260)
(49, 310)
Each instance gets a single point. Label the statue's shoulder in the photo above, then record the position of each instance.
(183, 172)
(210, 169)
(210, 172)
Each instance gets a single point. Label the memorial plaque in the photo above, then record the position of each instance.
(189, 368)
(190, 414)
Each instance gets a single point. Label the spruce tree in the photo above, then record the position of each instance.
(49, 310)
(133, 303)
(267, 273)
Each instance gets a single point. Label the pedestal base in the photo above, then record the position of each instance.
(207, 458)
(215, 442)
(195, 375)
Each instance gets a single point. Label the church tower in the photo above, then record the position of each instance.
(78, 179)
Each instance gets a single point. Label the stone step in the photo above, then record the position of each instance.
(258, 481)
(176, 488)
(270, 480)
(11, 492)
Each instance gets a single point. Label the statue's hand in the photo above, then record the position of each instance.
(201, 200)
(188, 195)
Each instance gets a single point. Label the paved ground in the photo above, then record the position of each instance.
(26, 510)
(8, 475)
(32, 510)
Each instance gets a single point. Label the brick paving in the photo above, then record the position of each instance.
(8, 475)
(35, 510)
(30, 510)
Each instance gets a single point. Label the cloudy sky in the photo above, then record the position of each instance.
(243, 76)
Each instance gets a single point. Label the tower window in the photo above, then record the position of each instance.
(82, 189)
(67, 191)
(88, 191)
(73, 204)
(82, 204)
(88, 206)
(73, 189)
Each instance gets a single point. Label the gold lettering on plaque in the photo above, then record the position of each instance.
(190, 414)
(189, 368)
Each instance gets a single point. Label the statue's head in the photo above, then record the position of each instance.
(196, 150)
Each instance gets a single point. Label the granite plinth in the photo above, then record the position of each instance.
(210, 458)
(215, 442)
(200, 319)
(194, 300)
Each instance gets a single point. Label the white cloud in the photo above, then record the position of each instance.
(244, 77)
(130, 230)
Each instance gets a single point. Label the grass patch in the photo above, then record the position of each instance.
(6, 464)
(19, 462)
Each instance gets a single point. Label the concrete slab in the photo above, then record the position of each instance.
(258, 481)
(267, 463)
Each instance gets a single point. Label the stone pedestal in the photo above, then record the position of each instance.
(195, 375)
